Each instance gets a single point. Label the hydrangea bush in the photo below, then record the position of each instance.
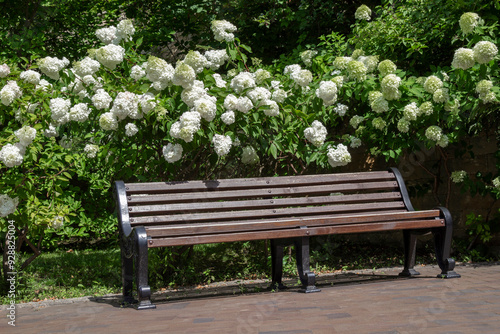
(74, 127)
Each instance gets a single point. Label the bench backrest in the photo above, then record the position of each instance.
(207, 208)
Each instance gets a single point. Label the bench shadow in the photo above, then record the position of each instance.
(238, 288)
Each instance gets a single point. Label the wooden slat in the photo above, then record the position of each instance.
(256, 203)
(277, 192)
(314, 231)
(249, 183)
(266, 213)
(287, 223)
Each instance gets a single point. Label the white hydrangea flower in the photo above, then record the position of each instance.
(249, 156)
(8, 205)
(66, 142)
(261, 75)
(222, 144)
(379, 123)
(387, 67)
(57, 222)
(484, 86)
(404, 125)
(377, 102)
(484, 52)
(10, 92)
(496, 182)
(356, 54)
(228, 117)
(4, 70)
(26, 135)
(338, 156)
(79, 112)
(356, 121)
(458, 176)
(125, 29)
(426, 108)
(302, 77)
(443, 142)
(452, 106)
(126, 104)
(131, 129)
(50, 66)
(187, 126)
(101, 99)
(340, 63)
(184, 75)
(363, 13)
(307, 56)
(279, 95)
(468, 21)
(108, 121)
(340, 109)
(434, 133)
(172, 152)
(411, 111)
(272, 108)
(216, 58)
(357, 70)
(230, 102)
(390, 87)
(91, 150)
(206, 108)
(223, 30)
(30, 76)
(43, 85)
(432, 84)
(463, 58)
(87, 66)
(370, 62)
(242, 81)
(51, 131)
(488, 97)
(158, 70)
(193, 93)
(137, 72)
(355, 142)
(219, 82)
(258, 95)
(146, 102)
(290, 69)
(107, 35)
(316, 134)
(12, 155)
(110, 55)
(441, 95)
(244, 104)
(59, 109)
(196, 60)
(327, 91)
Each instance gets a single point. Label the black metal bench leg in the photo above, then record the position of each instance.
(277, 265)
(141, 269)
(127, 273)
(442, 240)
(307, 278)
(410, 245)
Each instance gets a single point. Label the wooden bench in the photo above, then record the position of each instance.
(284, 209)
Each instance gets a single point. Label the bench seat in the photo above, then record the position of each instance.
(286, 209)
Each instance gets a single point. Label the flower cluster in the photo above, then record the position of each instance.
(110, 55)
(91, 150)
(411, 111)
(458, 176)
(4, 70)
(131, 129)
(223, 30)
(10, 92)
(496, 182)
(435, 133)
(249, 156)
(432, 83)
(390, 87)
(340, 109)
(468, 21)
(307, 56)
(484, 87)
(363, 13)
(50, 66)
(172, 152)
(386, 67)
(357, 70)
(340, 63)
(12, 155)
(484, 52)
(316, 134)
(379, 123)
(7, 205)
(222, 144)
(338, 156)
(114, 35)
(377, 102)
(187, 125)
(30, 76)
(216, 58)
(327, 91)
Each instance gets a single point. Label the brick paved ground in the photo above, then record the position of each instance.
(353, 303)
